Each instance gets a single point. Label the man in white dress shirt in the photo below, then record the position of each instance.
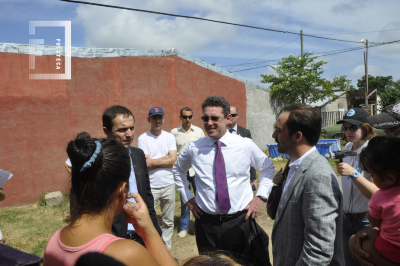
(224, 199)
(184, 134)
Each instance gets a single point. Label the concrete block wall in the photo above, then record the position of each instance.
(39, 117)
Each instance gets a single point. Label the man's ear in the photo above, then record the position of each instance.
(107, 132)
(228, 119)
(148, 119)
(297, 136)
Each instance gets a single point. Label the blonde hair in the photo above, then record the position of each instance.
(211, 260)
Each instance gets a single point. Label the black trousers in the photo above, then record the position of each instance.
(246, 241)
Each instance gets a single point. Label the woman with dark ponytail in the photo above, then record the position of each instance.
(99, 187)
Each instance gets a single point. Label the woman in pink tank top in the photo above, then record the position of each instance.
(99, 186)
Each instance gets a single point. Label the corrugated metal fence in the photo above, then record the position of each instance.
(330, 118)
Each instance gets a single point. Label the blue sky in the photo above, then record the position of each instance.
(224, 44)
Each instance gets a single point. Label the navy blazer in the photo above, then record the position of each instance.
(120, 226)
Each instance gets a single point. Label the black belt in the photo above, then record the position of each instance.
(224, 217)
(355, 216)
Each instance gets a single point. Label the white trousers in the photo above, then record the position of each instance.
(166, 195)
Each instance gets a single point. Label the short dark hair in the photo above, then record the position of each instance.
(305, 119)
(111, 112)
(217, 101)
(186, 109)
(92, 188)
(382, 155)
(83, 135)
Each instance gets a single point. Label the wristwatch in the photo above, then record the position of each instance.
(263, 198)
(354, 175)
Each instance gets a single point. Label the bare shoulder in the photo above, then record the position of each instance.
(130, 253)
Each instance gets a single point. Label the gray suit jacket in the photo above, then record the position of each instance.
(308, 223)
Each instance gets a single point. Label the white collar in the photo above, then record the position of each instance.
(297, 163)
(190, 129)
(224, 139)
(234, 128)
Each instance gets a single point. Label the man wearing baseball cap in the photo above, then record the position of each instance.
(388, 121)
(159, 148)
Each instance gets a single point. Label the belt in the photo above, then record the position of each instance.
(355, 216)
(224, 217)
(133, 236)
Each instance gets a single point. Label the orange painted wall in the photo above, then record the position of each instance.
(39, 117)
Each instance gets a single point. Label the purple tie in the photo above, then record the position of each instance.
(224, 203)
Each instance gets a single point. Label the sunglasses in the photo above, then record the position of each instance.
(234, 115)
(187, 116)
(351, 127)
(215, 119)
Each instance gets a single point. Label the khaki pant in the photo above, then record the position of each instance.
(166, 195)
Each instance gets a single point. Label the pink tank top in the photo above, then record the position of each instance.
(58, 254)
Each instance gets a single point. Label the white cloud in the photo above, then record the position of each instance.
(107, 27)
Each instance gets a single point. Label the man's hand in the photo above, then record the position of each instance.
(358, 254)
(194, 208)
(344, 169)
(151, 163)
(254, 183)
(253, 208)
(278, 178)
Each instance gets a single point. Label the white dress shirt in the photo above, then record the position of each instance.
(293, 166)
(239, 154)
(183, 138)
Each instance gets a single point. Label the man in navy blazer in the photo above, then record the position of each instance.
(119, 124)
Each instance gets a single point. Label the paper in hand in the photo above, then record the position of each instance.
(4, 177)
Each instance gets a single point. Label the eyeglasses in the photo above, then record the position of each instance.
(351, 127)
(215, 119)
(186, 117)
(124, 130)
(234, 115)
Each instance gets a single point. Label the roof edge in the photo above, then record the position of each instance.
(118, 52)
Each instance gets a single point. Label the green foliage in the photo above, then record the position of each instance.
(299, 80)
(213, 64)
(42, 201)
(391, 94)
(379, 82)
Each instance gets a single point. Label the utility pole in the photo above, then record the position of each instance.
(366, 74)
(301, 40)
(366, 69)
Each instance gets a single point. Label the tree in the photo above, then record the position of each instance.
(391, 94)
(379, 82)
(299, 80)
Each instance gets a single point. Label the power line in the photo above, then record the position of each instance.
(356, 32)
(329, 54)
(204, 19)
(264, 54)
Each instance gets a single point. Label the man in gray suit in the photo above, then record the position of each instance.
(308, 222)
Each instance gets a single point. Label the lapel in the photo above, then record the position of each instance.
(239, 130)
(295, 179)
(136, 168)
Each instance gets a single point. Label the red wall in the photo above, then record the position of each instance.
(39, 117)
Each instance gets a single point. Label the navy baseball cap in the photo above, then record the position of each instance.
(387, 120)
(156, 111)
(355, 116)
